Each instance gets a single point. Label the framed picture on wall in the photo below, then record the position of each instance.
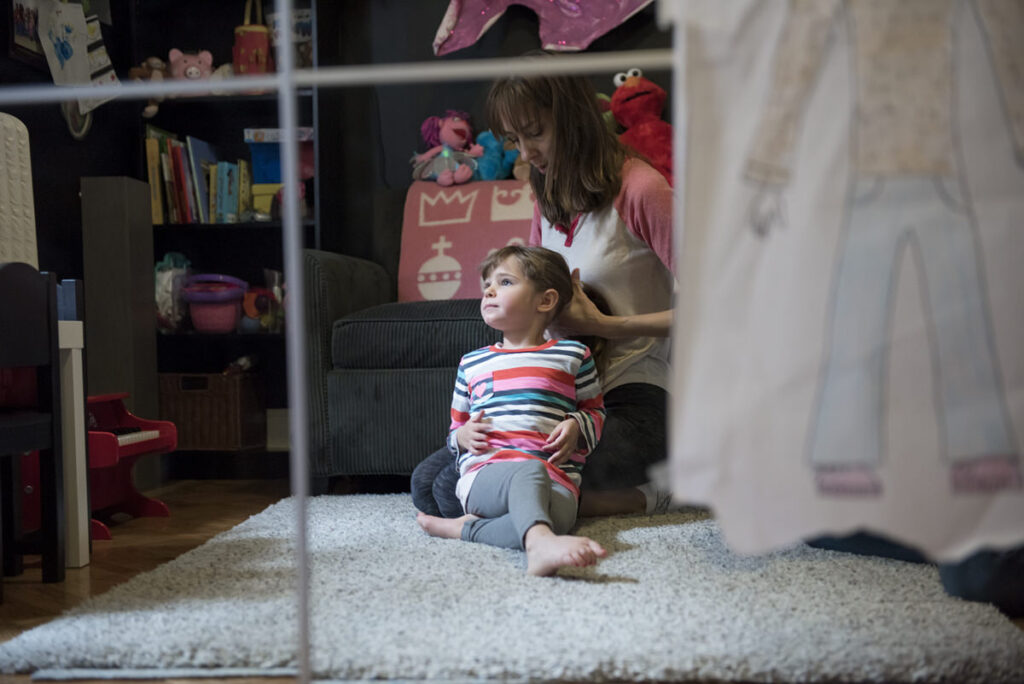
(23, 41)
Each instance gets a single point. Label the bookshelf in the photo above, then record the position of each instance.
(243, 248)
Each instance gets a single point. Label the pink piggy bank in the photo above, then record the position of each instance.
(182, 65)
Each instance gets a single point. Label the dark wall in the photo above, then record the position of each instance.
(377, 128)
(58, 160)
(367, 134)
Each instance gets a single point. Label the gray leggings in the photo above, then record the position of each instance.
(510, 498)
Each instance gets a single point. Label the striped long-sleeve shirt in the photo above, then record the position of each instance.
(524, 394)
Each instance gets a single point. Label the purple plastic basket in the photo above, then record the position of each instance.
(215, 301)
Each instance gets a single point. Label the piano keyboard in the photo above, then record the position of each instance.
(133, 437)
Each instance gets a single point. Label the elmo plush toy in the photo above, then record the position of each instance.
(636, 105)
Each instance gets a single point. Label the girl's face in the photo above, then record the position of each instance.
(534, 140)
(509, 300)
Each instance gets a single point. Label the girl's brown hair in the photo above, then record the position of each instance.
(585, 169)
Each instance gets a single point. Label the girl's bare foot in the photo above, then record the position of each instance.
(447, 528)
(546, 552)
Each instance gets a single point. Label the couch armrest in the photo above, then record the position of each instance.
(336, 285)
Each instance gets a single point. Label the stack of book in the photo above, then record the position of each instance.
(190, 183)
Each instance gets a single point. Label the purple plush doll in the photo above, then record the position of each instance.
(451, 158)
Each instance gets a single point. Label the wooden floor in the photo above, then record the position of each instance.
(200, 509)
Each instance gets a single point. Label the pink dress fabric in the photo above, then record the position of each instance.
(564, 24)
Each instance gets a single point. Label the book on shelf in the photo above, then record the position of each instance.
(201, 157)
(244, 191)
(190, 199)
(160, 134)
(212, 178)
(181, 182)
(227, 192)
(159, 199)
(156, 190)
(266, 135)
(190, 183)
(169, 193)
(171, 182)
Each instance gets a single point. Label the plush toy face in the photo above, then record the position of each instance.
(181, 65)
(636, 99)
(456, 132)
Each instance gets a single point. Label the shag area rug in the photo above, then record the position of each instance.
(670, 602)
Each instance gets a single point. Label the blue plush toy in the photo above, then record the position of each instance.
(496, 162)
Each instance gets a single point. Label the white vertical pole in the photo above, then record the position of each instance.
(295, 322)
(672, 12)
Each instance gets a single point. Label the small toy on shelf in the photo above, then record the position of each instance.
(452, 157)
(637, 104)
(169, 279)
(151, 69)
(259, 311)
(195, 66)
(496, 162)
(190, 66)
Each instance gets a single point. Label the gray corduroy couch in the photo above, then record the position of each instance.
(380, 373)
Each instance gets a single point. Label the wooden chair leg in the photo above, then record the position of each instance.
(51, 492)
(10, 513)
(3, 531)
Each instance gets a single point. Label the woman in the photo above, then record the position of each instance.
(609, 214)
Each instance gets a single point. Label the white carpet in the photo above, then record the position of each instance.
(670, 602)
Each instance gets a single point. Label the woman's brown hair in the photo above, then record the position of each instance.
(585, 169)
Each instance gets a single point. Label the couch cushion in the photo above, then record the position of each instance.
(431, 334)
(363, 404)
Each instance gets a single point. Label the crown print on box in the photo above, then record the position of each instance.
(446, 231)
(447, 207)
(514, 204)
(441, 275)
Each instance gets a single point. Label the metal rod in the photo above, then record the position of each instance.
(295, 324)
(349, 76)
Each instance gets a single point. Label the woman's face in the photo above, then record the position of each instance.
(534, 139)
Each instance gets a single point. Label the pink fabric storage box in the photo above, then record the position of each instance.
(448, 231)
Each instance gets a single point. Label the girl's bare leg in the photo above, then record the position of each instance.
(447, 528)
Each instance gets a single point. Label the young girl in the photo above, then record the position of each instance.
(525, 414)
(610, 215)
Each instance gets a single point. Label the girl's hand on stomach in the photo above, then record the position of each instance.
(473, 435)
(562, 441)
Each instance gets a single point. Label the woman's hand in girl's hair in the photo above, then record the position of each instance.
(581, 316)
(473, 435)
(563, 441)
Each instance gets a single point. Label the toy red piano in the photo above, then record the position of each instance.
(117, 439)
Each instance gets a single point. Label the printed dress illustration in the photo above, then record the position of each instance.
(907, 190)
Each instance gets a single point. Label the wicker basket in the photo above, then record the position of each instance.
(215, 412)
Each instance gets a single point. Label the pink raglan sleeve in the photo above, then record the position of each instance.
(645, 204)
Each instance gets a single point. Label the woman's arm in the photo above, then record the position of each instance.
(655, 324)
(582, 317)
